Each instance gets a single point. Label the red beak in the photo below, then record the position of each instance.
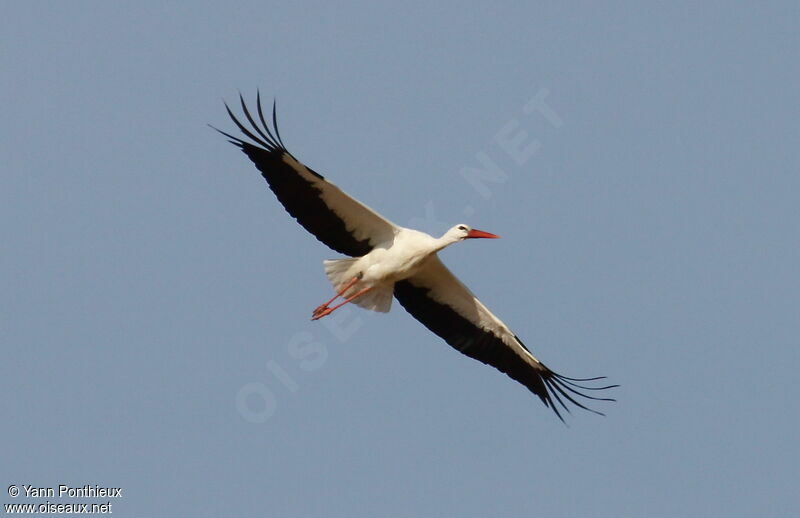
(480, 233)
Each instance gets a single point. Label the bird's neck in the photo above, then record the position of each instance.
(443, 242)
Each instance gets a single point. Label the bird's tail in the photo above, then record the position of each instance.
(341, 271)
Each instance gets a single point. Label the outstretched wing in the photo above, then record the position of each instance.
(341, 222)
(435, 297)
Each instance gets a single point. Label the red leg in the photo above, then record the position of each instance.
(323, 307)
(328, 311)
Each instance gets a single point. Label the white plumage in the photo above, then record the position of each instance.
(404, 255)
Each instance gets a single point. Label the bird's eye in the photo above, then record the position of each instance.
(462, 227)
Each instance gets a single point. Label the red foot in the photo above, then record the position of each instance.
(321, 312)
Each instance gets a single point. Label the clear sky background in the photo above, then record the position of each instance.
(156, 298)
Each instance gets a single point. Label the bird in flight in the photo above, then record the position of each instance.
(388, 261)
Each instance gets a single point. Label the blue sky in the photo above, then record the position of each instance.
(156, 298)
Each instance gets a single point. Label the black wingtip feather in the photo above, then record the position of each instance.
(276, 141)
(233, 140)
(560, 390)
(250, 119)
(558, 386)
(261, 135)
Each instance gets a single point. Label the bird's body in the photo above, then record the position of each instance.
(389, 261)
(399, 258)
(396, 259)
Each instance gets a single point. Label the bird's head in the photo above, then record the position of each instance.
(461, 232)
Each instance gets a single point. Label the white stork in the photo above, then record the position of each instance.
(388, 260)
